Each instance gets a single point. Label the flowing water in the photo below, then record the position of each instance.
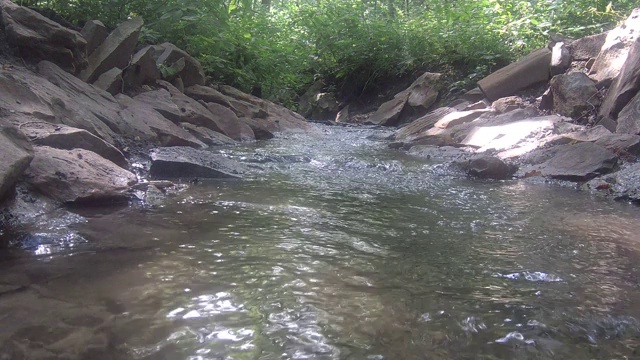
(333, 248)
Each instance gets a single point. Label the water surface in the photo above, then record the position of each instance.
(333, 248)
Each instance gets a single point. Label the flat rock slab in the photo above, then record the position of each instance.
(621, 144)
(15, 155)
(579, 162)
(502, 137)
(78, 176)
(439, 153)
(208, 136)
(69, 138)
(183, 162)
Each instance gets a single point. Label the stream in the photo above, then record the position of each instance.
(334, 247)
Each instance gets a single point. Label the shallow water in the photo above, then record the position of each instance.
(333, 248)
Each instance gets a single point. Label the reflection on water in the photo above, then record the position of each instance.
(353, 252)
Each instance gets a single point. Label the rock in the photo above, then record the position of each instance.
(579, 162)
(260, 129)
(154, 127)
(487, 167)
(142, 69)
(474, 95)
(110, 81)
(629, 117)
(115, 51)
(230, 124)
(590, 135)
(208, 136)
(68, 138)
(621, 144)
(343, 115)
(421, 125)
(15, 155)
(324, 107)
(160, 101)
(624, 87)
(82, 105)
(94, 33)
(167, 54)
(78, 176)
(181, 162)
(546, 100)
(177, 82)
(432, 140)
(507, 104)
(459, 117)
(482, 104)
(195, 113)
(439, 153)
(622, 185)
(531, 70)
(423, 92)
(208, 95)
(388, 114)
(277, 118)
(615, 49)
(305, 103)
(38, 38)
(560, 59)
(587, 47)
(574, 94)
(247, 110)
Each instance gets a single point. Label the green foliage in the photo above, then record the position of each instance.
(354, 45)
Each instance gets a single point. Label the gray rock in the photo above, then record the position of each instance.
(142, 69)
(230, 124)
(167, 54)
(208, 136)
(389, 113)
(94, 33)
(343, 115)
(591, 134)
(579, 162)
(629, 117)
(208, 95)
(560, 59)
(622, 185)
(68, 138)
(15, 155)
(110, 81)
(573, 94)
(260, 129)
(38, 38)
(78, 176)
(439, 153)
(587, 47)
(115, 51)
(624, 87)
(181, 162)
(421, 125)
(153, 126)
(615, 49)
(507, 104)
(305, 103)
(324, 107)
(622, 144)
(487, 167)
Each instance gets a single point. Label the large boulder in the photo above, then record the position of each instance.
(275, 118)
(560, 59)
(94, 33)
(142, 69)
(419, 126)
(625, 86)
(260, 129)
(573, 94)
(208, 95)
(324, 107)
(181, 162)
(78, 176)
(68, 138)
(15, 155)
(153, 126)
(230, 124)
(208, 136)
(305, 103)
(59, 97)
(115, 51)
(110, 81)
(615, 49)
(487, 167)
(167, 55)
(389, 113)
(38, 38)
(621, 144)
(587, 47)
(410, 103)
(629, 117)
(531, 70)
(579, 162)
